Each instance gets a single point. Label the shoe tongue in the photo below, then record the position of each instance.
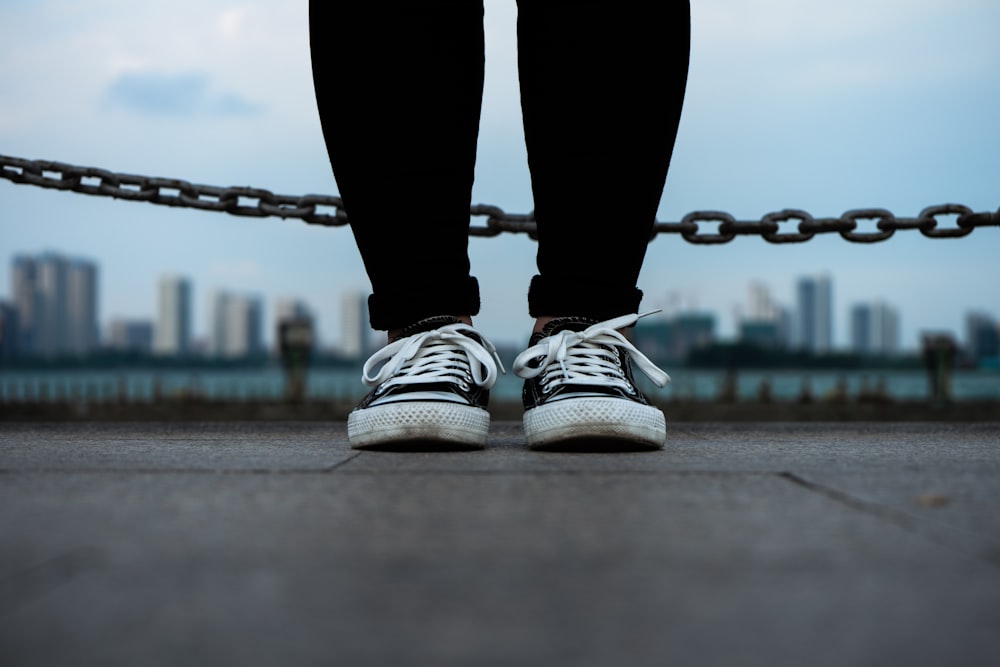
(429, 324)
(558, 324)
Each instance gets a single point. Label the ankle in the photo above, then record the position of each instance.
(540, 322)
(394, 334)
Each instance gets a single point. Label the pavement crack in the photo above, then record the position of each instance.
(898, 518)
(34, 582)
(342, 463)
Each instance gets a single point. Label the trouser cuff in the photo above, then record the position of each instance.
(413, 301)
(574, 297)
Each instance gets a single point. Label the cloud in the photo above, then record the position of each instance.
(230, 23)
(187, 94)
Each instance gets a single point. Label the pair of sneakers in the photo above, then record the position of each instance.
(432, 385)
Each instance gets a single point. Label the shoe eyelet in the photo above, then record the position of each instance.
(546, 388)
(380, 389)
(464, 385)
(629, 389)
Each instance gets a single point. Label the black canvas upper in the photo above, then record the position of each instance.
(533, 394)
(470, 393)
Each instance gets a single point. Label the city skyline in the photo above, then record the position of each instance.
(237, 323)
(819, 107)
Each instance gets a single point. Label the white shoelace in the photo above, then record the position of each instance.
(586, 357)
(445, 354)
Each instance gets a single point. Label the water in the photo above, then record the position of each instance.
(344, 383)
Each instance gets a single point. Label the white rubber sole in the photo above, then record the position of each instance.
(614, 420)
(419, 422)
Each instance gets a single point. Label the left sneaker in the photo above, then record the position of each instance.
(579, 387)
(431, 387)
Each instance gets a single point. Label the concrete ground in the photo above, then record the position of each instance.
(275, 544)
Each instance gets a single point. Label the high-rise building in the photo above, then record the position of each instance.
(673, 339)
(874, 329)
(56, 302)
(982, 337)
(172, 335)
(763, 307)
(237, 325)
(130, 336)
(9, 332)
(25, 297)
(814, 314)
(81, 303)
(355, 331)
(767, 324)
(50, 332)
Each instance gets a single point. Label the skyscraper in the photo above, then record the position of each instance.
(56, 302)
(673, 339)
(814, 316)
(874, 329)
(766, 323)
(172, 335)
(81, 305)
(9, 332)
(982, 337)
(354, 328)
(237, 325)
(130, 336)
(50, 331)
(25, 297)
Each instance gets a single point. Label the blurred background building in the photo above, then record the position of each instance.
(874, 329)
(130, 336)
(766, 323)
(237, 322)
(9, 332)
(814, 314)
(355, 333)
(671, 339)
(172, 335)
(982, 339)
(55, 299)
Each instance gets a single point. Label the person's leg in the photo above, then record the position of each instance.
(399, 88)
(602, 85)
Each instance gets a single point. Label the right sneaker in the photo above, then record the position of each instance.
(432, 386)
(579, 390)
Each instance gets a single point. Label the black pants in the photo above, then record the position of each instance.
(399, 86)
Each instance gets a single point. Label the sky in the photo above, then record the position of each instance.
(823, 107)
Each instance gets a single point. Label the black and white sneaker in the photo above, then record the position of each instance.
(579, 387)
(431, 386)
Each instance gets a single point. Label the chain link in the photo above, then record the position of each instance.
(328, 210)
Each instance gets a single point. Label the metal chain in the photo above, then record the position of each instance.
(329, 211)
